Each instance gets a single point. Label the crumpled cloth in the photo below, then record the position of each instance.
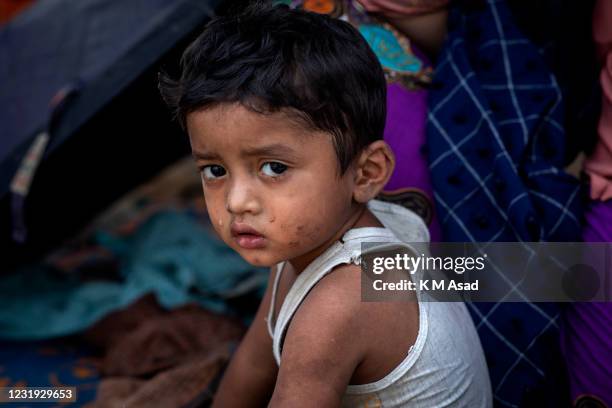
(183, 386)
(171, 255)
(154, 357)
(586, 335)
(144, 339)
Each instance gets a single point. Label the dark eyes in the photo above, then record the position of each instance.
(213, 172)
(273, 169)
(270, 169)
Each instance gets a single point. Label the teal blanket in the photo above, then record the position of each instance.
(171, 255)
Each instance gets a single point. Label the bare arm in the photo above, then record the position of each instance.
(428, 31)
(323, 345)
(250, 377)
(423, 21)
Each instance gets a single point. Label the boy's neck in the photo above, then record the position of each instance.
(361, 217)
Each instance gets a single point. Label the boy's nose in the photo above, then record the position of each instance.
(242, 199)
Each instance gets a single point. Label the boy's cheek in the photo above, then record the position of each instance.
(300, 235)
(215, 216)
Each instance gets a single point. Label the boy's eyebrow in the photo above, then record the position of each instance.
(205, 155)
(270, 150)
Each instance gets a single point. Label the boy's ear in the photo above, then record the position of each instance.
(373, 168)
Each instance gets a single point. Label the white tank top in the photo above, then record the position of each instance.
(446, 364)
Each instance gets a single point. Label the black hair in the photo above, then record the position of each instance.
(317, 69)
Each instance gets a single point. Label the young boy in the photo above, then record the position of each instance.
(285, 112)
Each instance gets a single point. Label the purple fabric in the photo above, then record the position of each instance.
(586, 336)
(405, 133)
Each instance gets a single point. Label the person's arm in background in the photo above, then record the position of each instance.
(602, 28)
(423, 21)
(599, 164)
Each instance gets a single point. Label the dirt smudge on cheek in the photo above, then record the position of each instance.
(295, 236)
(299, 233)
(304, 233)
(312, 235)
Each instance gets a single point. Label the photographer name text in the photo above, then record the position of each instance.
(425, 285)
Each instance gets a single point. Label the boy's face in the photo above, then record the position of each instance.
(272, 189)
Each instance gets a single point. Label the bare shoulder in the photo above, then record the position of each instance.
(334, 307)
(376, 334)
(331, 309)
(338, 295)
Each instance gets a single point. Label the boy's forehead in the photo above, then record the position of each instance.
(238, 127)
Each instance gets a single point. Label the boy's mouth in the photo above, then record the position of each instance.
(247, 237)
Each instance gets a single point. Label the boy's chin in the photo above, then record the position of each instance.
(259, 260)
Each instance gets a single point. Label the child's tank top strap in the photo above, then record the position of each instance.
(269, 321)
(306, 280)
